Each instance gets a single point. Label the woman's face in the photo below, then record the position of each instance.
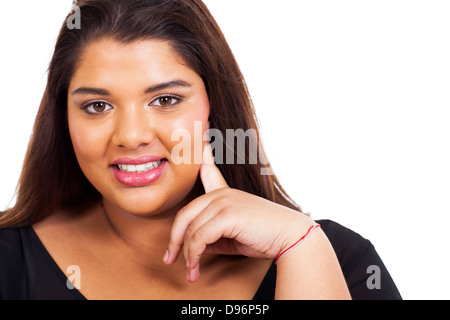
(124, 103)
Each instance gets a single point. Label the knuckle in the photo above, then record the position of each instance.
(189, 233)
(226, 213)
(180, 214)
(225, 191)
(174, 242)
(222, 201)
(197, 236)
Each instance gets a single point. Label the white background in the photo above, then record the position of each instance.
(353, 99)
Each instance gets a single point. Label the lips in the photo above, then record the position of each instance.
(138, 172)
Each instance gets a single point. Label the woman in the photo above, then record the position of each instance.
(104, 194)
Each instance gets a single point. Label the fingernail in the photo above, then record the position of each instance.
(194, 274)
(188, 276)
(166, 257)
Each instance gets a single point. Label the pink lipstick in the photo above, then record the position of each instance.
(138, 172)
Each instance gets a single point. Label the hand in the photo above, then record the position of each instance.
(230, 221)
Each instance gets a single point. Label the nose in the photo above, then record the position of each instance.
(133, 128)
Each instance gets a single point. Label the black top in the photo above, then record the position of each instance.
(27, 271)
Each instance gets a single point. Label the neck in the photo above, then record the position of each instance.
(142, 238)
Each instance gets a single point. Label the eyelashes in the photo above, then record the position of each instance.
(97, 107)
(164, 103)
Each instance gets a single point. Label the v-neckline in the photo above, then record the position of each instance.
(266, 290)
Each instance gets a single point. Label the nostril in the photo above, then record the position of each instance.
(133, 131)
(132, 145)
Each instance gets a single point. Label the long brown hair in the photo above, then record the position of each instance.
(51, 177)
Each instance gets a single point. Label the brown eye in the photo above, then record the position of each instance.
(99, 106)
(96, 108)
(166, 102)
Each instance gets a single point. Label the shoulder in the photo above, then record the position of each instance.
(343, 239)
(13, 244)
(13, 262)
(10, 244)
(366, 275)
(11, 249)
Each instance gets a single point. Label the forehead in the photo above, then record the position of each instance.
(110, 62)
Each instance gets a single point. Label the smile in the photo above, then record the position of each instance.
(138, 172)
(140, 168)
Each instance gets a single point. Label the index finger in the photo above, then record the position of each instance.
(210, 174)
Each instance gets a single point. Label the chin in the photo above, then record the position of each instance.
(145, 203)
(153, 209)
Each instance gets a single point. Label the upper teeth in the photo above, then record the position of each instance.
(139, 168)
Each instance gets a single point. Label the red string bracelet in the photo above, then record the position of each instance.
(291, 247)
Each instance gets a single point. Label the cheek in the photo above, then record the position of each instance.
(186, 132)
(87, 142)
(189, 129)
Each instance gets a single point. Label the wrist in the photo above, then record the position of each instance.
(300, 231)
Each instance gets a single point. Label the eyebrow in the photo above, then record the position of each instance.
(155, 88)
